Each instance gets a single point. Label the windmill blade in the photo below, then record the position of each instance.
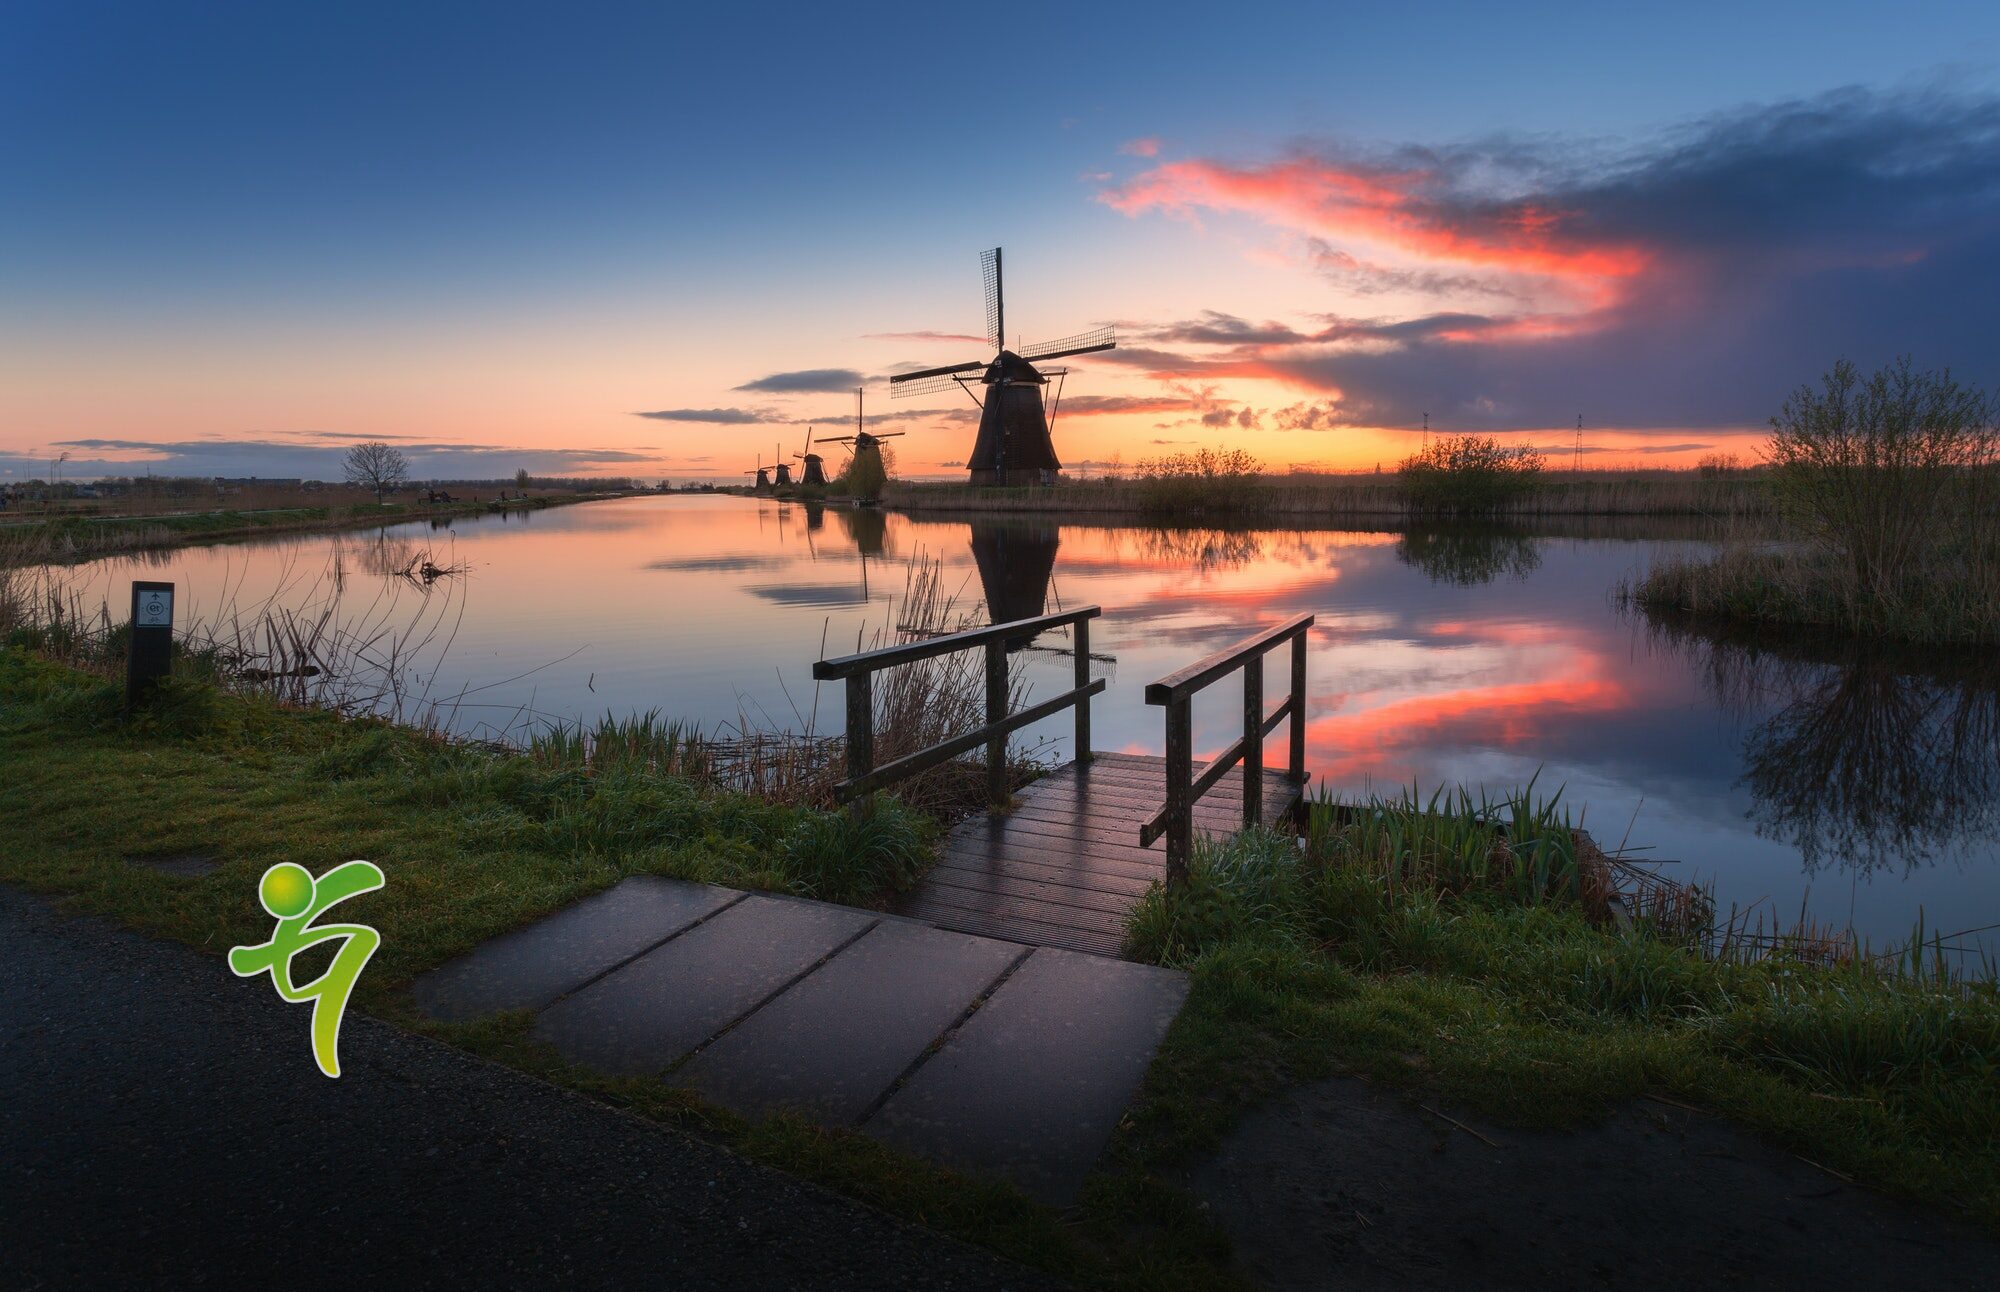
(945, 371)
(887, 435)
(1103, 338)
(996, 307)
(926, 383)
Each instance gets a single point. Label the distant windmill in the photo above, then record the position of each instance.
(763, 474)
(1013, 446)
(784, 470)
(861, 441)
(814, 465)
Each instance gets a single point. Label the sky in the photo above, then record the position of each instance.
(624, 239)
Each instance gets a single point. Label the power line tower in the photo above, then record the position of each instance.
(1427, 430)
(1576, 458)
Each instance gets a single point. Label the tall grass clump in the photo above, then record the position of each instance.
(1888, 487)
(1466, 475)
(1206, 482)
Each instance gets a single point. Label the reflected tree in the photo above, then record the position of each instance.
(1864, 758)
(1468, 555)
(1202, 549)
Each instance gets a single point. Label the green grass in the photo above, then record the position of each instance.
(79, 537)
(1432, 968)
(1472, 975)
(475, 843)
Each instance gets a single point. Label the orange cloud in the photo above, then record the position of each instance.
(1403, 210)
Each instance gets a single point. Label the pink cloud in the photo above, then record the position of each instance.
(1149, 146)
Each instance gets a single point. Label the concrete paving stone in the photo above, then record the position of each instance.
(531, 967)
(1033, 1084)
(649, 1013)
(835, 1042)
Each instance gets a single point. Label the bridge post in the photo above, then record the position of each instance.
(1298, 731)
(1180, 791)
(1253, 741)
(996, 712)
(860, 726)
(1082, 630)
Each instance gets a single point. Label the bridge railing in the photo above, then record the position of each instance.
(864, 777)
(1176, 691)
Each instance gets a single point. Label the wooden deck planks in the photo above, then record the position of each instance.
(1064, 867)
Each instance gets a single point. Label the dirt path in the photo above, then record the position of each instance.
(1340, 1185)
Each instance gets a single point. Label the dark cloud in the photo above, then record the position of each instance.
(720, 416)
(805, 381)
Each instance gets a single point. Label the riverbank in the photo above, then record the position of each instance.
(1522, 1017)
(80, 538)
(1302, 496)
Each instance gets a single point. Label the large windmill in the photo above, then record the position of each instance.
(1013, 447)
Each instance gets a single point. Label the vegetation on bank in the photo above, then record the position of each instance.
(1297, 496)
(1889, 488)
(76, 537)
(1468, 953)
(1469, 475)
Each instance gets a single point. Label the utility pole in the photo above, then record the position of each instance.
(1576, 459)
(1427, 430)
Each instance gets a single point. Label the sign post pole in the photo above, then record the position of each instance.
(151, 656)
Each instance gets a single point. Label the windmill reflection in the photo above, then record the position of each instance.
(1016, 561)
(1468, 555)
(1864, 758)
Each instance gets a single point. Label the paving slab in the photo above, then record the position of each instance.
(533, 966)
(1033, 1084)
(833, 1044)
(642, 1017)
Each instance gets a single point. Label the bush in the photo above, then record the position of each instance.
(867, 472)
(1894, 473)
(1206, 482)
(1469, 474)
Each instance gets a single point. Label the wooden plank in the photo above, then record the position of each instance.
(991, 854)
(1130, 887)
(1053, 914)
(1014, 886)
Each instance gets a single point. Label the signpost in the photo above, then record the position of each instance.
(152, 652)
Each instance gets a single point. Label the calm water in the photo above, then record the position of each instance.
(1860, 785)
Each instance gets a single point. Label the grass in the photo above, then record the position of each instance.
(1440, 945)
(1301, 494)
(1936, 600)
(1417, 944)
(475, 842)
(76, 537)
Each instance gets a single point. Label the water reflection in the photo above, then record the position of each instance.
(1468, 555)
(1863, 757)
(1016, 560)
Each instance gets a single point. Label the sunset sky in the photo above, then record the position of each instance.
(624, 239)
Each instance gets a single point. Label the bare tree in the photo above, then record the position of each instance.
(376, 466)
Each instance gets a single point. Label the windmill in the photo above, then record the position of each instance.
(1013, 446)
(784, 470)
(814, 467)
(862, 442)
(763, 474)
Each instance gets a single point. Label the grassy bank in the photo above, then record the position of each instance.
(1300, 496)
(1430, 952)
(80, 537)
(1889, 490)
(1422, 956)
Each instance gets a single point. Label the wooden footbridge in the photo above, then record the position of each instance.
(1063, 861)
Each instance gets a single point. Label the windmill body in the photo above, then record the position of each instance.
(1014, 446)
(784, 470)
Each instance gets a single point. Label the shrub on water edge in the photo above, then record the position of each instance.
(1468, 474)
(1206, 482)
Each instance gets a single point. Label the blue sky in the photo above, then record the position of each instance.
(248, 233)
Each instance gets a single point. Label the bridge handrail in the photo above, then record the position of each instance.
(858, 670)
(1176, 692)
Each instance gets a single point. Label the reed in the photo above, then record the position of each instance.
(1305, 494)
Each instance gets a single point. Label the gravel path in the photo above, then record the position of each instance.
(163, 1121)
